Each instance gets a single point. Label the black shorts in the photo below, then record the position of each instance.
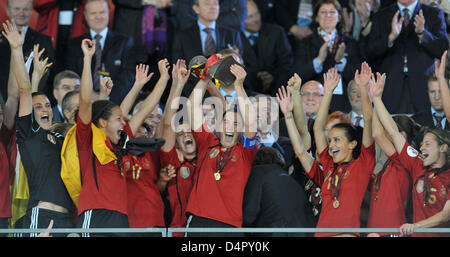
(101, 218)
(200, 222)
(40, 218)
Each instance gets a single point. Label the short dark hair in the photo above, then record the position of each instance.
(269, 155)
(65, 74)
(102, 109)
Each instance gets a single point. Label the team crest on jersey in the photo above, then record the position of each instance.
(146, 164)
(412, 152)
(184, 172)
(233, 158)
(127, 166)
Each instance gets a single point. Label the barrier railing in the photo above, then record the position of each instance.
(168, 232)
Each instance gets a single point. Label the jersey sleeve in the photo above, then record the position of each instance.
(410, 159)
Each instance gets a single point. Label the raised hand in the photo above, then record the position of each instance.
(419, 22)
(142, 76)
(88, 47)
(167, 173)
(14, 37)
(331, 80)
(40, 66)
(285, 100)
(439, 68)
(163, 67)
(182, 72)
(377, 85)
(294, 83)
(106, 85)
(363, 78)
(323, 53)
(396, 27)
(340, 53)
(240, 74)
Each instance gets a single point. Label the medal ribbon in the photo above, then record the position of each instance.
(223, 159)
(335, 180)
(380, 175)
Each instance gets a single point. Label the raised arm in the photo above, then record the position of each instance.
(85, 110)
(195, 104)
(379, 135)
(106, 85)
(40, 67)
(362, 82)
(331, 80)
(376, 91)
(153, 99)
(245, 105)
(12, 101)
(286, 103)
(294, 85)
(180, 76)
(141, 79)
(16, 41)
(443, 84)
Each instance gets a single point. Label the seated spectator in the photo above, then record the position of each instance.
(328, 48)
(354, 97)
(19, 11)
(267, 53)
(114, 54)
(357, 20)
(64, 82)
(272, 199)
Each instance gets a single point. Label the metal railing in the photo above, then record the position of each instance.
(168, 232)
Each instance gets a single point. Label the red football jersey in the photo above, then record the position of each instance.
(387, 204)
(439, 187)
(354, 180)
(219, 200)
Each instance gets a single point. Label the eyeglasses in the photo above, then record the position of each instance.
(308, 94)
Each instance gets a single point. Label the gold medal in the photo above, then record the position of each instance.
(214, 152)
(184, 172)
(419, 186)
(432, 199)
(217, 175)
(336, 203)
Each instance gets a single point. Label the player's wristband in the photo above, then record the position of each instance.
(248, 143)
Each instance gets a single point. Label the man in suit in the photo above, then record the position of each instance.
(404, 41)
(113, 55)
(267, 53)
(64, 82)
(20, 11)
(433, 116)
(354, 97)
(205, 37)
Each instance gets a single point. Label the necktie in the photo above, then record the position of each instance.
(98, 62)
(358, 121)
(210, 47)
(438, 120)
(252, 39)
(406, 17)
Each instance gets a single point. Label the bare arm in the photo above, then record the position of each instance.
(362, 81)
(40, 67)
(376, 91)
(106, 85)
(153, 99)
(16, 41)
(85, 110)
(245, 105)
(180, 76)
(140, 81)
(443, 84)
(285, 100)
(331, 80)
(195, 102)
(294, 84)
(379, 135)
(12, 102)
(439, 218)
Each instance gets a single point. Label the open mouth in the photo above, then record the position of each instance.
(188, 142)
(45, 119)
(229, 137)
(424, 155)
(334, 153)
